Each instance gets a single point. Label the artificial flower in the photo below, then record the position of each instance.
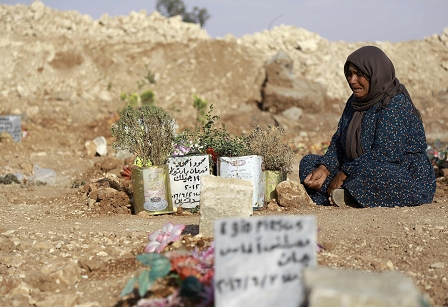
(211, 152)
(181, 150)
(126, 172)
(159, 239)
(173, 300)
(185, 266)
(207, 295)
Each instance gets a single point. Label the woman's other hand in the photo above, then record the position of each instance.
(316, 178)
(337, 182)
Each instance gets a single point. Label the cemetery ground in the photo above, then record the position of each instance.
(56, 250)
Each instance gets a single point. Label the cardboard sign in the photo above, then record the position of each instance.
(259, 260)
(12, 125)
(185, 179)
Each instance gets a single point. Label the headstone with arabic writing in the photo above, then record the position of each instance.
(185, 174)
(259, 261)
(12, 125)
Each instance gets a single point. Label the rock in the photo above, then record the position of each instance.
(6, 245)
(107, 164)
(37, 6)
(43, 245)
(58, 301)
(292, 194)
(438, 265)
(67, 273)
(90, 147)
(144, 214)
(101, 145)
(27, 167)
(216, 202)
(293, 113)
(12, 261)
(105, 96)
(5, 137)
(273, 205)
(42, 281)
(282, 90)
(418, 228)
(338, 288)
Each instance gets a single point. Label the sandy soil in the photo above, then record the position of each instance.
(44, 228)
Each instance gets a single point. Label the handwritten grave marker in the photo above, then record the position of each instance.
(12, 125)
(185, 179)
(259, 260)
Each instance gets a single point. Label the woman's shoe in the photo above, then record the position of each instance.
(342, 198)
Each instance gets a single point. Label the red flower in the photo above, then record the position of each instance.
(186, 266)
(211, 152)
(126, 172)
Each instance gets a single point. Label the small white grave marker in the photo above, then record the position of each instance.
(185, 174)
(259, 260)
(12, 125)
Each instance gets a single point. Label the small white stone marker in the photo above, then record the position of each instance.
(259, 260)
(13, 125)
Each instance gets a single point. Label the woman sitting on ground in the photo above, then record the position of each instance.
(377, 155)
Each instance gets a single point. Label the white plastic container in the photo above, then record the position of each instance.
(246, 168)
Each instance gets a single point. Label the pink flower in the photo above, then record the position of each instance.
(173, 300)
(159, 239)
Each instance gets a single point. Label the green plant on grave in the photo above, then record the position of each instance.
(269, 143)
(147, 133)
(214, 141)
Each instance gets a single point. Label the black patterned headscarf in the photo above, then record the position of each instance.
(383, 85)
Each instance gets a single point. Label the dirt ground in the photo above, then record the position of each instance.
(59, 247)
(46, 230)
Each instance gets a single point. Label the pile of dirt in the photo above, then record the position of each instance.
(55, 61)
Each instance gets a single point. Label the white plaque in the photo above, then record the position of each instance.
(13, 125)
(259, 260)
(185, 174)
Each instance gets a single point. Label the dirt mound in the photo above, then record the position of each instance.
(56, 61)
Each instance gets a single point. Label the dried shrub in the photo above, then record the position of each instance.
(148, 133)
(269, 143)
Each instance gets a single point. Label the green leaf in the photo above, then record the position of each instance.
(129, 287)
(144, 281)
(160, 267)
(150, 259)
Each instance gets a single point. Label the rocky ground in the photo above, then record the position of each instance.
(63, 74)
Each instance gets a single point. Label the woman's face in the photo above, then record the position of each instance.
(358, 82)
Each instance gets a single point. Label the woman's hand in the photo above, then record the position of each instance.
(337, 182)
(316, 178)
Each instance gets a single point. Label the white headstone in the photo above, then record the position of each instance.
(13, 125)
(221, 198)
(185, 179)
(259, 261)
